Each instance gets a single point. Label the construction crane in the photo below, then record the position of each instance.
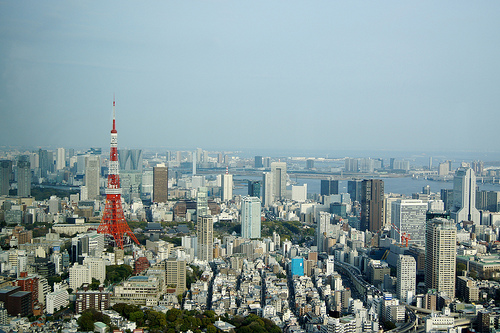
(404, 236)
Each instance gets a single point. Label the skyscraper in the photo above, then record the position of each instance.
(160, 183)
(278, 172)
(205, 234)
(267, 190)
(5, 176)
(440, 255)
(329, 186)
(92, 176)
(372, 204)
(60, 159)
(406, 278)
(323, 230)
(227, 187)
(258, 162)
(250, 217)
(409, 217)
(23, 177)
(254, 188)
(202, 202)
(464, 197)
(354, 189)
(44, 162)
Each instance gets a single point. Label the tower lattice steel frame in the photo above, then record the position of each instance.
(113, 221)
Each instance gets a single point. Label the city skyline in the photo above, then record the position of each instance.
(423, 72)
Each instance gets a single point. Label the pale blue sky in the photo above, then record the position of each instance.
(419, 75)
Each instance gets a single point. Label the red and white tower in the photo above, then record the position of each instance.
(113, 222)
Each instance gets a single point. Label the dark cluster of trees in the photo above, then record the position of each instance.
(117, 273)
(286, 229)
(176, 320)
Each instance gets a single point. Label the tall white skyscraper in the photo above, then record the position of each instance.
(92, 176)
(267, 189)
(464, 196)
(440, 255)
(406, 278)
(60, 159)
(250, 217)
(409, 217)
(205, 235)
(278, 171)
(323, 230)
(227, 187)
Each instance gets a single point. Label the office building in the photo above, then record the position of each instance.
(440, 255)
(254, 188)
(299, 193)
(97, 268)
(57, 300)
(354, 189)
(409, 217)
(44, 162)
(138, 290)
(92, 176)
(250, 217)
(5, 176)
(329, 186)
(160, 183)
(278, 172)
(309, 164)
(205, 234)
(79, 275)
(23, 177)
(227, 187)
(267, 189)
(464, 197)
(447, 197)
(297, 266)
(175, 275)
(258, 162)
(406, 278)
(372, 204)
(130, 159)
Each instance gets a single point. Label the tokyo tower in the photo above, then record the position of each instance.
(113, 221)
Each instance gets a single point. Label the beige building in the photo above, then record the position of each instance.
(138, 290)
(175, 275)
(440, 257)
(205, 233)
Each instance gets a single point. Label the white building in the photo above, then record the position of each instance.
(227, 187)
(56, 300)
(278, 172)
(92, 176)
(323, 230)
(409, 217)
(464, 197)
(61, 159)
(299, 193)
(97, 268)
(78, 275)
(406, 278)
(267, 189)
(250, 217)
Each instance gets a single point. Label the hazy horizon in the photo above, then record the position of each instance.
(284, 75)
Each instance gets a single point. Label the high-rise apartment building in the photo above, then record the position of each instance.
(160, 183)
(202, 202)
(227, 187)
(464, 197)
(23, 177)
(406, 278)
(250, 217)
(267, 189)
(278, 172)
(372, 204)
(92, 176)
(205, 233)
(323, 230)
(5, 176)
(329, 186)
(409, 217)
(60, 158)
(440, 255)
